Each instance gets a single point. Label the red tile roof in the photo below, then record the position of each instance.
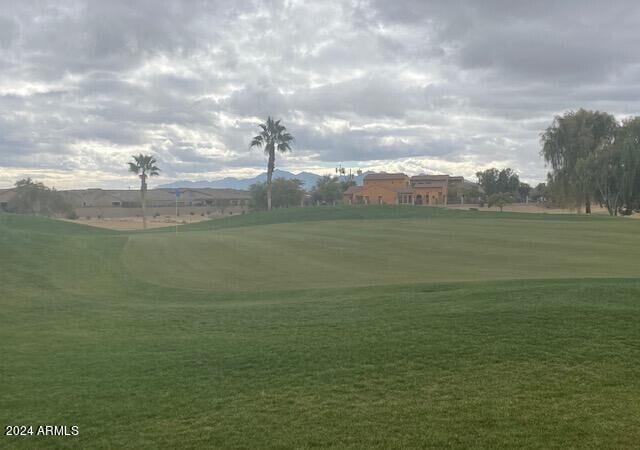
(352, 190)
(430, 178)
(385, 176)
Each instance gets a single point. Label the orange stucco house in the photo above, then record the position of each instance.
(400, 189)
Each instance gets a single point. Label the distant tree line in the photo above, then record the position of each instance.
(594, 158)
(35, 198)
(278, 193)
(328, 190)
(463, 193)
(500, 187)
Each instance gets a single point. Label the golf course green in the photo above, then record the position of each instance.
(361, 327)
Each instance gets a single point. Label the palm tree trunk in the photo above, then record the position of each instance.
(143, 188)
(144, 214)
(270, 168)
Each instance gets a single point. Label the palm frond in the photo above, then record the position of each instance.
(284, 147)
(144, 164)
(257, 141)
(273, 137)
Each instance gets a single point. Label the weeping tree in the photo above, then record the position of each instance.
(567, 146)
(144, 166)
(604, 171)
(272, 138)
(627, 144)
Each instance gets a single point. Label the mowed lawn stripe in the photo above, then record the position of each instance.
(356, 253)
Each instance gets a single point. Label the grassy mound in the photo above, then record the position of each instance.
(95, 332)
(367, 213)
(438, 246)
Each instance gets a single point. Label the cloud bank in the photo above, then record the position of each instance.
(417, 86)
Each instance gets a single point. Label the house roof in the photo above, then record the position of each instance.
(385, 176)
(211, 193)
(7, 194)
(133, 195)
(424, 177)
(352, 190)
(429, 184)
(91, 196)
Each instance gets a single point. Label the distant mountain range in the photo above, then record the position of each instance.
(309, 179)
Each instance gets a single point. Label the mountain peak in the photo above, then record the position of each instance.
(308, 179)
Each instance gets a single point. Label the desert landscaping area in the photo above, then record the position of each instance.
(536, 208)
(135, 223)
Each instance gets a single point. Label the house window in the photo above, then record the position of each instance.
(379, 199)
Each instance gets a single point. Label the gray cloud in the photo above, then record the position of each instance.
(421, 85)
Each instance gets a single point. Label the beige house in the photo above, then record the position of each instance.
(127, 203)
(400, 189)
(6, 195)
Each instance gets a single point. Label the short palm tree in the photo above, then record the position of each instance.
(144, 166)
(273, 137)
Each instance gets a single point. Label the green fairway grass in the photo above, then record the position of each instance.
(345, 253)
(324, 327)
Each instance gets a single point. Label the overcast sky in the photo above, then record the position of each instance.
(414, 86)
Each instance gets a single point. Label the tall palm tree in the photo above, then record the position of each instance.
(144, 166)
(273, 137)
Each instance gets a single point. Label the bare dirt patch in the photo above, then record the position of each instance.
(529, 208)
(135, 223)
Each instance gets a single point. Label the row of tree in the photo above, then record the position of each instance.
(594, 158)
(328, 190)
(36, 198)
(495, 187)
(279, 193)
